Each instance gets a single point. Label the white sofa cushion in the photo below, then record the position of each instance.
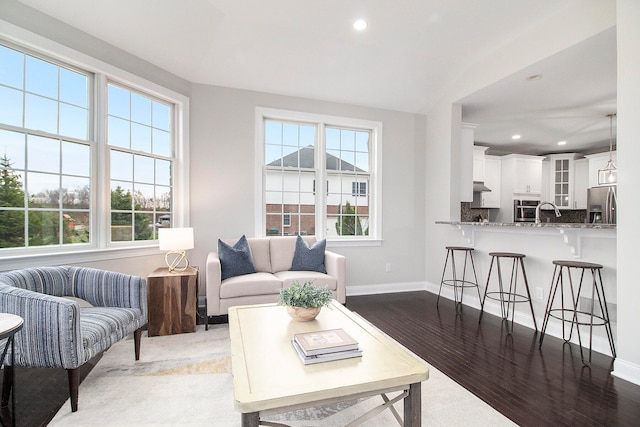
(319, 279)
(282, 250)
(250, 284)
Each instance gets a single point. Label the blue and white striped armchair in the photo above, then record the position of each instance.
(57, 331)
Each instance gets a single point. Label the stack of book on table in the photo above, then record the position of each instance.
(325, 346)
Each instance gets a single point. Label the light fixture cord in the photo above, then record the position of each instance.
(611, 136)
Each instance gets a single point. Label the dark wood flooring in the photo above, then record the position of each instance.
(532, 387)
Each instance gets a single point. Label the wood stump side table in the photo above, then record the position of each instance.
(172, 301)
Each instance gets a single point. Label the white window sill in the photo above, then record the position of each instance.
(74, 257)
(348, 243)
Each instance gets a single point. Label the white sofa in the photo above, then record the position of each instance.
(272, 258)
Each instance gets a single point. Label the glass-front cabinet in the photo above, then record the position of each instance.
(565, 179)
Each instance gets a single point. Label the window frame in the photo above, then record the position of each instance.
(101, 248)
(321, 122)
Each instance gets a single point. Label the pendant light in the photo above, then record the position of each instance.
(609, 175)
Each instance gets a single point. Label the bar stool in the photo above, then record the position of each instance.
(508, 298)
(458, 284)
(569, 312)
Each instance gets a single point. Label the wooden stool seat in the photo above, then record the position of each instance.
(508, 297)
(458, 284)
(569, 313)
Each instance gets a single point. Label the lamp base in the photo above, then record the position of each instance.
(177, 261)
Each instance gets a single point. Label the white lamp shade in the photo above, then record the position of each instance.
(175, 239)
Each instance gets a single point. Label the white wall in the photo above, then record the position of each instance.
(223, 179)
(627, 364)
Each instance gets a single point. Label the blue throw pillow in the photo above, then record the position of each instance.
(309, 258)
(235, 260)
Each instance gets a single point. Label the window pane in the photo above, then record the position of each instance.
(11, 229)
(11, 185)
(273, 133)
(143, 197)
(121, 166)
(12, 148)
(43, 190)
(73, 88)
(161, 116)
(119, 102)
(273, 155)
(362, 142)
(163, 172)
(163, 198)
(143, 226)
(44, 228)
(140, 109)
(73, 121)
(41, 114)
(121, 227)
(347, 140)
(76, 159)
(75, 227)
(161, 143)
(42, 77)
(76, 192)
(10, 106)
(118, 132)
(140, 137)
(143, 169)
(43, 154)
(121, 198)
(11, 67)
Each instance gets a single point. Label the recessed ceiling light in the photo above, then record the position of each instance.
(360, 25)
(562, 142)
(534, 77)
(516, 137)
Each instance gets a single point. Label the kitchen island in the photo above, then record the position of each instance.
(572, 233)
(541, 244)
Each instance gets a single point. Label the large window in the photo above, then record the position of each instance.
(139, 137)
(300, 149)
(63, 132)
(45, 152)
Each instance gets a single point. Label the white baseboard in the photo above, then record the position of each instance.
(385, 288)
(600, 344)
(627, 371)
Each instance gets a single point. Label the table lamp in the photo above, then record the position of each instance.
(176, 241)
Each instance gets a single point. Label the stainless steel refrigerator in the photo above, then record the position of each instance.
(602, 204)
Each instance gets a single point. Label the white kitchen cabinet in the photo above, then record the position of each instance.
(562, 180)
(522, 175)
(581, 183)
(597, 162)
(492, 179)
(479, 163)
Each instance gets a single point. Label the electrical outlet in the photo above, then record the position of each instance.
(539, 293)
(387, 267)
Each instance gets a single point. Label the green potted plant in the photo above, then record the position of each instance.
(304, 301)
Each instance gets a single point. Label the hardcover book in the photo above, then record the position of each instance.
(327, 341)
(325, 357)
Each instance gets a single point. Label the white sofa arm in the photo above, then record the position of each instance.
(336, 266)
(214, 278)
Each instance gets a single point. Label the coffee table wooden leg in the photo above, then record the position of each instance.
(251, 419)
(413, 406)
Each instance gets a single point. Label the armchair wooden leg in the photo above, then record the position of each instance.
(7, 384)
(74, 382)
(136, 342)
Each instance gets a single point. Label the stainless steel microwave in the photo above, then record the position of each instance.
(524, 210)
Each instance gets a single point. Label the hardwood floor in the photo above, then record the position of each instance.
(532, 387)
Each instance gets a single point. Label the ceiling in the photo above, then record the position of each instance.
(412, 51)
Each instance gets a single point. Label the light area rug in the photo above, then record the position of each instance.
(185, 380)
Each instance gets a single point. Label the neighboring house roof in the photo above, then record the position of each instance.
(306, 158)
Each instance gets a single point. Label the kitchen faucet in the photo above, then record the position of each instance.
(541, 204)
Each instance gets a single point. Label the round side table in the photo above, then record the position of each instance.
(9, 325)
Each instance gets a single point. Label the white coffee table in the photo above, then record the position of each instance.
(269, 378)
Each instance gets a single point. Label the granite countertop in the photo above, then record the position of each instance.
(533, 224)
